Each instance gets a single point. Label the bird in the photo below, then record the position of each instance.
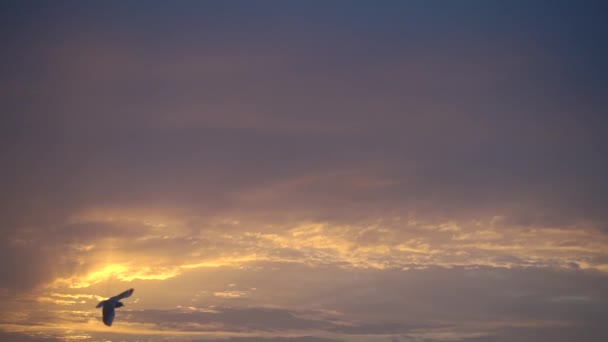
(110, 304)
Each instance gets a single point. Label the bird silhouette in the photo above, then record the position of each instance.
(110, 304)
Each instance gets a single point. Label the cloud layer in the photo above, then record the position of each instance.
(304, 172)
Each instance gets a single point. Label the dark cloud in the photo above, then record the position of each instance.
(17, 337)
(22, 266)
(477, 294)
(272, 339)
(559, 334)
(266, 320)
(229, 319)
(456, 129)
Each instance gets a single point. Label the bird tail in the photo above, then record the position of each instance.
(100, 304)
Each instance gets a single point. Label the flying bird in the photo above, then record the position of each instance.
(110, 304)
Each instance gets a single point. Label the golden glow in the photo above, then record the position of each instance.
(410, 246)
(149, 273)
(227, 261)
(77, 296)
(401, 243)
(118, 271)
(57, 301)
(230, 294)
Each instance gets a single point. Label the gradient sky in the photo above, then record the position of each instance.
(304, 171)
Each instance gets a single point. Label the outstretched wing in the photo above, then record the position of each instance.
(108, 314)
(125, 294)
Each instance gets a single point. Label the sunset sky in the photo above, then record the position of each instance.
(304, 171)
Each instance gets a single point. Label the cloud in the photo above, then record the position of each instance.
(16, 337)
(230, 294)
(586, 333)
(96, 246)
(272, 339)
(285, 131)
(345, 301)
(410, 176)
(230, 319)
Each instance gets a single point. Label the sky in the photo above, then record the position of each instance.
(304, 171)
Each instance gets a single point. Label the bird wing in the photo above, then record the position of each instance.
(108, 314)
(125, 294)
